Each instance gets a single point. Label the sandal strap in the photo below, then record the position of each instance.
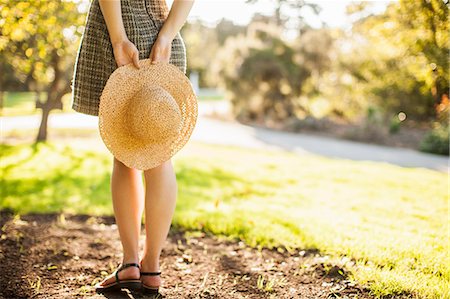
(130, 265)
(150, 273)
(124, 266)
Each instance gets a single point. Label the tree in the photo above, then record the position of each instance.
(400, 57)
(202, 45)
(265, 74)
(226, 28)
(39, 40)
(290, 10)
(426, 28)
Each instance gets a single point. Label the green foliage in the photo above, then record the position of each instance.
(426, 33)
(399, 58)
(372, 128)
(265, 74)
(37, 37)
(396, 61)
(394, 125)
(202, 44)
(436, 140)
(39, 40)
(388, 219)
(290, 11)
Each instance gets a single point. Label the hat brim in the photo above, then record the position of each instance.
(123, 83)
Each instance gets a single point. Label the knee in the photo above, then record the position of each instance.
(118, 163)
(160, 167)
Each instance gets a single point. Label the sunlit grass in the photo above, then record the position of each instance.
(390, 220)
(24, 103)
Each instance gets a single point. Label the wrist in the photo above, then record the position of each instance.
(166, 35)
(118, 40)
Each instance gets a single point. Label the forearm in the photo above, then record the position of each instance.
(112, 13)
(177, 17)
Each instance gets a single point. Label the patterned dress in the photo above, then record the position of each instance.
(95, 61)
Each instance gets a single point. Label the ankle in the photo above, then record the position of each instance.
(150, 264)
(128, 260)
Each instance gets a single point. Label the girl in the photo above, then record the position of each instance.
(119, 32)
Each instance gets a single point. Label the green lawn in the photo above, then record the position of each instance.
(23, 103)
(391, 221)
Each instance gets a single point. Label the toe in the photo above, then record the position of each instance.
(125, 274)
(107, 281)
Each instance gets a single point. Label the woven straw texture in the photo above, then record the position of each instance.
(147, 115)
(95, 59)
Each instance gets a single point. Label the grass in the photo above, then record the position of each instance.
(391, 221)
(23, 103)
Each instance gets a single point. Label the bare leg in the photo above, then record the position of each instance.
(160, 200)
(128, 201)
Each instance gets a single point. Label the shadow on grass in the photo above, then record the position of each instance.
(60, 187)
(210, 199)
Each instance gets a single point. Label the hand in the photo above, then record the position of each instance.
(161, 50)
(125, 52)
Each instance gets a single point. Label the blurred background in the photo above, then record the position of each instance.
(335, 114)
(370, 71)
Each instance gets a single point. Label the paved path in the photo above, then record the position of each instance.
(232, 133)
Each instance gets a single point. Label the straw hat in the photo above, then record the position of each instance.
(147, 115)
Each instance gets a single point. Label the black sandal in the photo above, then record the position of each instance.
(131, 284)
(146, 289)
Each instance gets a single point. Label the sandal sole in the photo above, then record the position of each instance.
(124, 284)
(149, 290)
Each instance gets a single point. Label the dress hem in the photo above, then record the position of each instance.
(87, 111)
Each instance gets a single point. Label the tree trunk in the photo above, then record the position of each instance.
(1, 101)
(42, 134)
(54, 95)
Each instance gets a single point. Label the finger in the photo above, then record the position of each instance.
(160, 59)
(151, 54)
(119, 64)
(136, 59)
(154, 57)
(118, 61)
(166, 59)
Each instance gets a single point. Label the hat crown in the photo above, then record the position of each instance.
(130, 118)
(153, 114)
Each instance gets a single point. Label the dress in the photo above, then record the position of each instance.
(95, 61)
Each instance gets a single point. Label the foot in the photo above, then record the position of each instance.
(150, 281)
(127, 273)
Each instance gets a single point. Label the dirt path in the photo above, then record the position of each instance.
(52, 256)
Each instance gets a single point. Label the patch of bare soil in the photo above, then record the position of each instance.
(57, 256)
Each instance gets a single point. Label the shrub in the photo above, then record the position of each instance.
(264, 74)
(436, 140)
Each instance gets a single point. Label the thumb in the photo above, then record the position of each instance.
(136, 59)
